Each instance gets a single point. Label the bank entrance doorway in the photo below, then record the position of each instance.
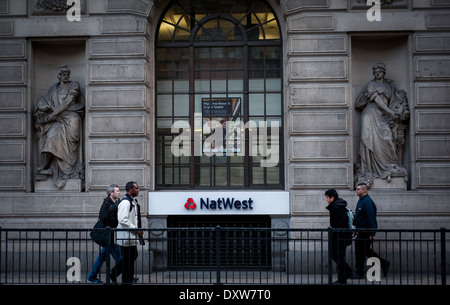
(243, 242)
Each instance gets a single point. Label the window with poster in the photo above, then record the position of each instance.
(219, 109)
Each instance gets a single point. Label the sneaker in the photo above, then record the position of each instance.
(135, 280)
(94, 280)
(356, 276)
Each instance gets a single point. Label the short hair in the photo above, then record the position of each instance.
(62, 69)
(363, 184)
(332, 193)
(129, 185)
(111, 189)
(379, 65)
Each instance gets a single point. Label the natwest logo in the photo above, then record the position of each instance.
(220, 204)
(190, 204)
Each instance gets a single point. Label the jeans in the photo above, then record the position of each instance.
(116, 253)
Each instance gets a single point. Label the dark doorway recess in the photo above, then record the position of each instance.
(244, 242)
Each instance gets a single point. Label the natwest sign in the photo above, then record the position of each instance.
(218, 203)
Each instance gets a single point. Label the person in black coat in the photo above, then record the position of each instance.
(339, 240)
(366, 218)
(113, 193)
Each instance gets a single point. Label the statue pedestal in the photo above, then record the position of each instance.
(72, 185)
(396, 183)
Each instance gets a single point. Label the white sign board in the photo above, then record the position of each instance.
(218, 203)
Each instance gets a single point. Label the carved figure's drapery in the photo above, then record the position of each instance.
(58, 117)
(383, 109)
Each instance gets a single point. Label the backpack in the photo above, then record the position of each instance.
(111, 214)
(350, 218)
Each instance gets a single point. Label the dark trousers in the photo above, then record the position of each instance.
(129, 255)
(363, 249)
(338, 248)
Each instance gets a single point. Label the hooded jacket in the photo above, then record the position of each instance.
(338, 213)
(339, 219)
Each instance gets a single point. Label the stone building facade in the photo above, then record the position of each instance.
(326, 50)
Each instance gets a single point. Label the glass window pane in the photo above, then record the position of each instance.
(256, 104)
(164, 86)
(270, 28)
(235, 85)
(273, 84)
(159, 174)
(205, 176)
(256, 58)
(202, 85)
(219, 85)
(184, 175)
(181, 86)
(164, 124)
(220, 176)
(273, 104)
(237, 176)
(256, 85)
(164, 105)
(165, 31)
(257, 175)
(181, 105)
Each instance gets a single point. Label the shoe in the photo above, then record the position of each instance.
(135, 280)
(350, 276)
(94, 280)
(357, 277)
(339, 283)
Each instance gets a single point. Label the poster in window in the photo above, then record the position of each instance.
(221, 126)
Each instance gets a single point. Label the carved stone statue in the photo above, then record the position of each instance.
(58, 120)
(384, 112)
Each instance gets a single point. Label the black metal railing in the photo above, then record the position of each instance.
(219, 255)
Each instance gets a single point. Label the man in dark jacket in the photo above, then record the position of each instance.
(339, 240)
(113, 193)
(366, 218)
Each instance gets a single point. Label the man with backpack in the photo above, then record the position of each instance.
(339, 240)
(129, 217)
(108, 219)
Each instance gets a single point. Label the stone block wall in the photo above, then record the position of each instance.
(330, 48)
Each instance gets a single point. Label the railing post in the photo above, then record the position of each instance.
(330, 257)
(1, 253)
(443, 259)
(218, 255)
(108, 255)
